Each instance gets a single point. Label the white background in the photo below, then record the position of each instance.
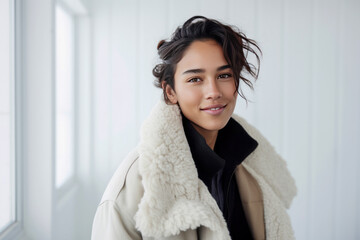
(306, 102)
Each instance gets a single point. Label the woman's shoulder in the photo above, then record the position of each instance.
(114, 218)
(125, 187)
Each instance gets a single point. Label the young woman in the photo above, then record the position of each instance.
(199, 172)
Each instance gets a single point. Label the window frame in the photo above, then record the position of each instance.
(15, 229)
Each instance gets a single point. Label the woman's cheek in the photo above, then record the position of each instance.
(190, 95)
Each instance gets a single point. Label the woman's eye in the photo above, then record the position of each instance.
(194, 80)
(225, 75)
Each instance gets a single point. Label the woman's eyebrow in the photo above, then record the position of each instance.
(223, 67)
(200, 70)
(197, 70)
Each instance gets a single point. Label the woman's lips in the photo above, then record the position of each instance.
(214, 110)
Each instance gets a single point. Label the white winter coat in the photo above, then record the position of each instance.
(156, 192)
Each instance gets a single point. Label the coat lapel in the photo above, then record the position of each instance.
(269, 165)
(277, 185)
(174, 198)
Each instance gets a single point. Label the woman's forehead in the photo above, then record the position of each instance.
(204, 55)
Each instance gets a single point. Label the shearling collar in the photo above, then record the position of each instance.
(174, 198)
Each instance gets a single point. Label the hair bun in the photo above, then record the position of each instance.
(160, 44)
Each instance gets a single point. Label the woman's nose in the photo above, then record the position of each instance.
(212, 90)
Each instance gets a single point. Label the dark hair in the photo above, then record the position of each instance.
(234, 43)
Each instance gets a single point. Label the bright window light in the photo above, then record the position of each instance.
(64, 96)
(7, 160)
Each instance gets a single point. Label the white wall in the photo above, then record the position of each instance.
(306, 102)
(37, 118)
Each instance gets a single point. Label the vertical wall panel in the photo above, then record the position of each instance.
(123, 78)
(297, 102)
(269, 88)
(37, 88)
(347, 210)
(214, 9)
(243, 15)
(101, 99)
(180, 11)
(152, 28)
(84, 197)
(324, 120)
(65, 216)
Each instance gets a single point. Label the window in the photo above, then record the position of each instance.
(7, 119)
(64, 96)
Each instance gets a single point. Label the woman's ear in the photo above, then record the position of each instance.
(170, 93)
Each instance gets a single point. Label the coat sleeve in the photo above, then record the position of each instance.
(111, 223)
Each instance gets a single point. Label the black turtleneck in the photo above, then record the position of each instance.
(216, 169)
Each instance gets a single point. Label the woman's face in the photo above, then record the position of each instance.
(204, 87)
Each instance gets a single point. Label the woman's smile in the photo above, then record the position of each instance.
(214, 109)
